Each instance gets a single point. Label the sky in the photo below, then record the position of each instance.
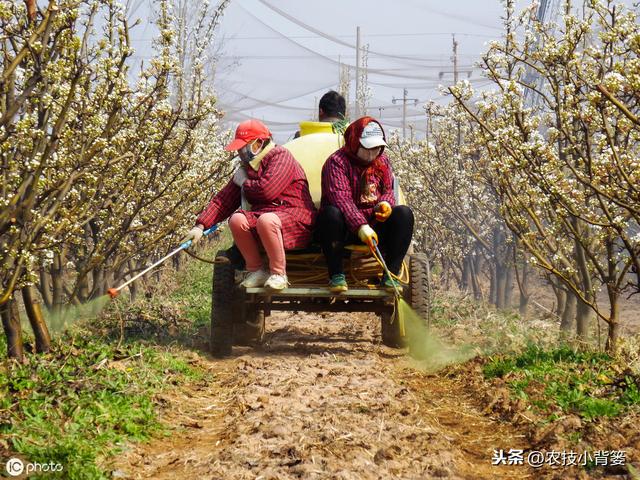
(277, 63)
(278, 57)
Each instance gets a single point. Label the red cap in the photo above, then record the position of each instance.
(247, 131)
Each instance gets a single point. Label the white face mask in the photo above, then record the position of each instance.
(368, 155)
(247, 154)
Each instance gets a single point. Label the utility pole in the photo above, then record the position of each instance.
(357, 107)
(455, 58)
(428, 126)
(455, 80)
(456, 71)
(404, 110)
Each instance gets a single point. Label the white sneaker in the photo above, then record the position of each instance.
(276, 282)
(255, 279)
(239, 276)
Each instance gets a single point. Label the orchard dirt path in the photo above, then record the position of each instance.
(322, 399)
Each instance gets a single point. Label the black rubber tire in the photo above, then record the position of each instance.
(391, 331)
(420, 285)
(248, 322)
(420, 299)
(222, 309)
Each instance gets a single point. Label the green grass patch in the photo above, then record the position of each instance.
(181, 315)
(563, 380)
(75, 405)
(94, 392)
(195, 284)
(194, 292)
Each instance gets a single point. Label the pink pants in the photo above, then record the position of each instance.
(269, 229)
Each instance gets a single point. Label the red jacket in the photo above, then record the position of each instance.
(280, 186)
(355, 188)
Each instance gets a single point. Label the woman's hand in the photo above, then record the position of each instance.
(368, 235)
(240, 176)
(195, 234)
(382, 211)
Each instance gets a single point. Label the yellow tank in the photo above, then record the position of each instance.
(311, 151)
(307, 128)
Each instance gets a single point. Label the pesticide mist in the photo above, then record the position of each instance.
(69, 315)
(430, 352)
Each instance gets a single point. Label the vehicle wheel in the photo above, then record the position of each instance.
(248, 325)
(391, 336)
(420, 285)
(420, 301)
(222, 309)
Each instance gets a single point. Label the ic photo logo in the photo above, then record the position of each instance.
(16, 467)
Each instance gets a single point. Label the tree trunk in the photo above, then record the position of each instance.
(508, 286)
(492, 284)
(83, 289)
(561, 299)
(12, 329)
(501, 284)
(500, 252)
(108, 281)
(38, 325)
(45, 289)
(466, 275)
(455, 267)
(568, 315)
(474, 274)
(584, 317)
(133, 287)
(612, 336)
(446, 273)
(98, 282)
(133, 290)
(584, 313)
(177, 262)
(524, 290)
(57, 283)
(614, 325)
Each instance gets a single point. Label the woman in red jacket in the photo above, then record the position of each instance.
(282, 211)
(358, 202)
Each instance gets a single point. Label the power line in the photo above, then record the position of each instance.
(417, 34)
(373, 71)
(325, 35)
(301, 57)
(437, 81)
(464, 18)
(274, 102)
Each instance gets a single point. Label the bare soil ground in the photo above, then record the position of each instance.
(323, 399)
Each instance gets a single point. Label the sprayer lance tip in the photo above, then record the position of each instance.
(113, 292)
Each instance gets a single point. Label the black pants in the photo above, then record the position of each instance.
(394, 236)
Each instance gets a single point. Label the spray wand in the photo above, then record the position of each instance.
(114, 292)
(395, 286)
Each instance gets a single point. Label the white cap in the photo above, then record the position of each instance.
(372, 136)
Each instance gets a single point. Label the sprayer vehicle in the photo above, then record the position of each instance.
(238, 314)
